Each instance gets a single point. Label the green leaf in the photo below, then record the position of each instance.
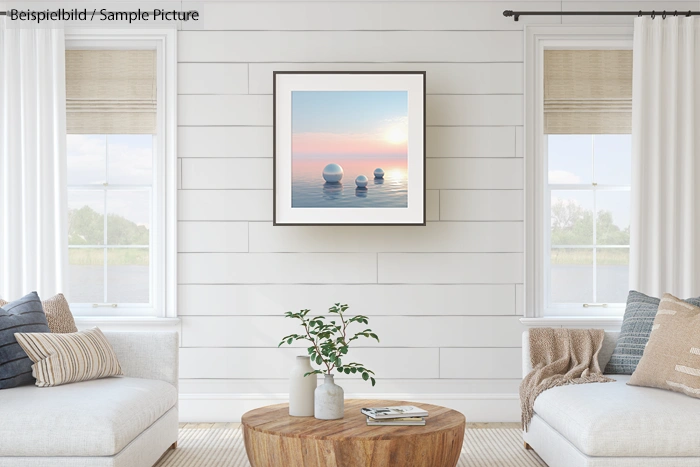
(373, 381)
(347, 370)
(365, 376)
(337, 361)
(289, 341)
(319, 360)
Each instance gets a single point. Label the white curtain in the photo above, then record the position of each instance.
(665, 230)
(33, 207)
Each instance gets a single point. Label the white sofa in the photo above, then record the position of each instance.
(612, 424)
(127, 421)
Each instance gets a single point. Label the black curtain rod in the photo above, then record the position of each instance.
(517, 14)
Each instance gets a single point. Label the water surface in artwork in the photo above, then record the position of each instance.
(338, 136)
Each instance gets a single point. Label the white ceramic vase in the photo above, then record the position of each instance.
(301, 388)
(329, 401)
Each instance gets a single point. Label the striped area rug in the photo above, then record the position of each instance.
(223, 447)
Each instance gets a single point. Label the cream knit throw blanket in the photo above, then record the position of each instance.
(560, 357)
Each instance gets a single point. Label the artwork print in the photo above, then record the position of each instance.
(349, 149)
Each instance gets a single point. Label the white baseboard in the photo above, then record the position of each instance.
(220, 407)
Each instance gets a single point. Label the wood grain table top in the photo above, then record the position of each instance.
(275, 419)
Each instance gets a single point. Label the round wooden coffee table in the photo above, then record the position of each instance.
(274, 439)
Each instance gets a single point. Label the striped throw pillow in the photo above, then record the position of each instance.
(671, 359)
(58, 314)
(69, 358)
(23, 315)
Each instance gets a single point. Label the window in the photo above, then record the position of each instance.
(588, 195)
(110, 214)
(578, 164)
(121, 174)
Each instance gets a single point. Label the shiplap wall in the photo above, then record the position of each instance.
(444, 298)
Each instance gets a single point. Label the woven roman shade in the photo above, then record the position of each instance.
(111, 91)
(587, 91)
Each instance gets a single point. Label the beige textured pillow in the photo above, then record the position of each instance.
(58, 314)
(68, 358)
(671, 359)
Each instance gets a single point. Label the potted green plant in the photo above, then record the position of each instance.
(330, 341)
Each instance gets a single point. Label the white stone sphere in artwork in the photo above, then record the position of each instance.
(378, 173)
(333, 173)
(361, 181)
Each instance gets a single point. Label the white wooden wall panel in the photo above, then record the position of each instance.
(350, 46)
(441, 78)
(367, 299)
(485, 110)
(224, 141)
(212, 78)
(351, 384)
(450, 268)
(394, 331)
(481, 205)
(445, 298)
(224, 205)
(434, 237)
(480, 363)
(276, 363)
(481, 174)
(208, 110)
(432, 205)
(220, 173)
(351, 16)
(203, 237)
(460, 141)
(270, 268)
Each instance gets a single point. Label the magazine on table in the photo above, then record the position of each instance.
(412, 421)
(400, 411)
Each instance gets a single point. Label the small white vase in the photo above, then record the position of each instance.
(329, 400)
(301, 388)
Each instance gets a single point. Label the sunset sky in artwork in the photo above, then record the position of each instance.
(349, 124)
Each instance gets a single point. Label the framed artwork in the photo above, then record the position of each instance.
(349, 148)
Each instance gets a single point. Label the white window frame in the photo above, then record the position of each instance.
(537, 222)
(164, 230)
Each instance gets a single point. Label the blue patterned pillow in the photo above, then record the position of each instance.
(634, 335)
(23, 315)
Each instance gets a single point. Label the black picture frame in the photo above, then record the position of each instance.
(275, 220)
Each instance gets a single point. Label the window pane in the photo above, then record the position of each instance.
(613, 159)
(130, 159)
(572, 217)
(86, 159)
(570, 159)
(86, 275)
(128, 275)
(612, 281)
(129, 217)
(86, 217)
(571, 278)
(613, 218)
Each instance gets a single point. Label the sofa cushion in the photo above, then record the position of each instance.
(22, 315)
(90, 418)
(636, 326)
(69, 357)
(617, 420)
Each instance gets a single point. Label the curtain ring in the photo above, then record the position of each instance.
(675, 13)
(653, 14)
(640, 14)
(664, 15)
(688, 15)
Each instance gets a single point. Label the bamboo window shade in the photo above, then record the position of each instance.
(111, 91)
(587, 91)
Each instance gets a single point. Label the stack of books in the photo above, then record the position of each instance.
(403, 415)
